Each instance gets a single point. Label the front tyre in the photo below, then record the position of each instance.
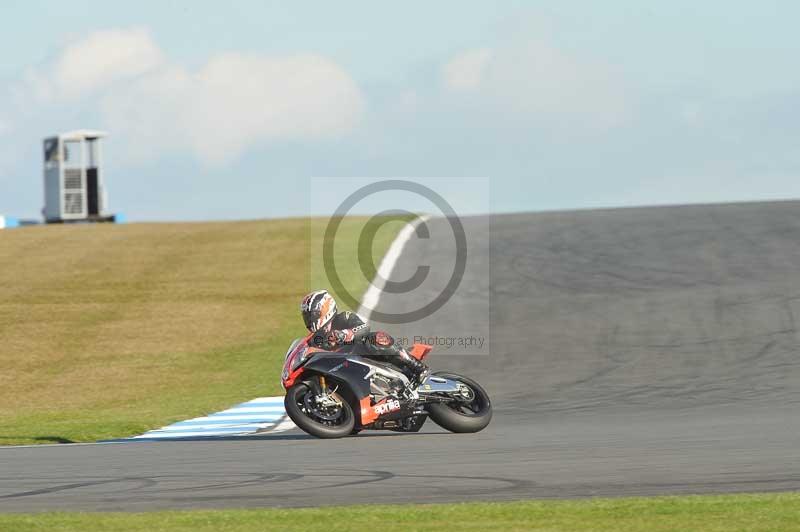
(320, 421)
(469, 412)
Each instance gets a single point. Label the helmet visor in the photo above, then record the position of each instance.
(311, 319)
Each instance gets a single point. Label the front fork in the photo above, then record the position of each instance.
(324, 397)
(319, 386)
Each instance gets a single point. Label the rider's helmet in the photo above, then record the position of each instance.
(318, 310)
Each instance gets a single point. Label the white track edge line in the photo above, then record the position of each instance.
(373, 293)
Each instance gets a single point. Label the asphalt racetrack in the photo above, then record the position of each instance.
(629, 352)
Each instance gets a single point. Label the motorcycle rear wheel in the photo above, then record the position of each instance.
(463, 416)
(295, 404)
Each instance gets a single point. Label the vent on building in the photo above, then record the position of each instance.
(73, 202)
(72, 179)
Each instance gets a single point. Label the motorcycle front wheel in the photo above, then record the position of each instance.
(330, 422)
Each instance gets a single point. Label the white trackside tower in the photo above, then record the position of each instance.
(73, 178)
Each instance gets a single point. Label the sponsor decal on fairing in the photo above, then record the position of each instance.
(385, 408)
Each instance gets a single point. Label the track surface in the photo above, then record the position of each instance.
(633, 351)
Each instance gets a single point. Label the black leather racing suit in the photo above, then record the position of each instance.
(347, 328)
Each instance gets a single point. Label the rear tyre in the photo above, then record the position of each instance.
(331, 423)
(470, 414)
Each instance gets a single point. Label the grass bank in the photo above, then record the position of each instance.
(763, 512)
(112, 330)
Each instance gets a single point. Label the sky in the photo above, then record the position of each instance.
(268, 109)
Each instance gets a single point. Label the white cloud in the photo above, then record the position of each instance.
(530, 79)
(235, 101)
(231, 103)
(98, 61)
(105, 57)
(466, 70)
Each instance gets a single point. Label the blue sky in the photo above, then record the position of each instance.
(234, 112)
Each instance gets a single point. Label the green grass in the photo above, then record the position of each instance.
(110, 330)
(703, 513)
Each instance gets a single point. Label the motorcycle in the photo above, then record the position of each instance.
(331, 394)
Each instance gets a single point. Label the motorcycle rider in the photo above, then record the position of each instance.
(334, 329)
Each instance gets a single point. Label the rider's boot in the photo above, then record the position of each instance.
(418, 371)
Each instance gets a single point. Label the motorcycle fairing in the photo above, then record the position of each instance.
(341, 368)
(420, 351)
(356, 372)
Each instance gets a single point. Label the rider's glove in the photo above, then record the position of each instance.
(337, 337)
(341, 337)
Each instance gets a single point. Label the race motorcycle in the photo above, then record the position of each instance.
(331, 394)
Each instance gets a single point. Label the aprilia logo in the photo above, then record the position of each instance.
(389, 406)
